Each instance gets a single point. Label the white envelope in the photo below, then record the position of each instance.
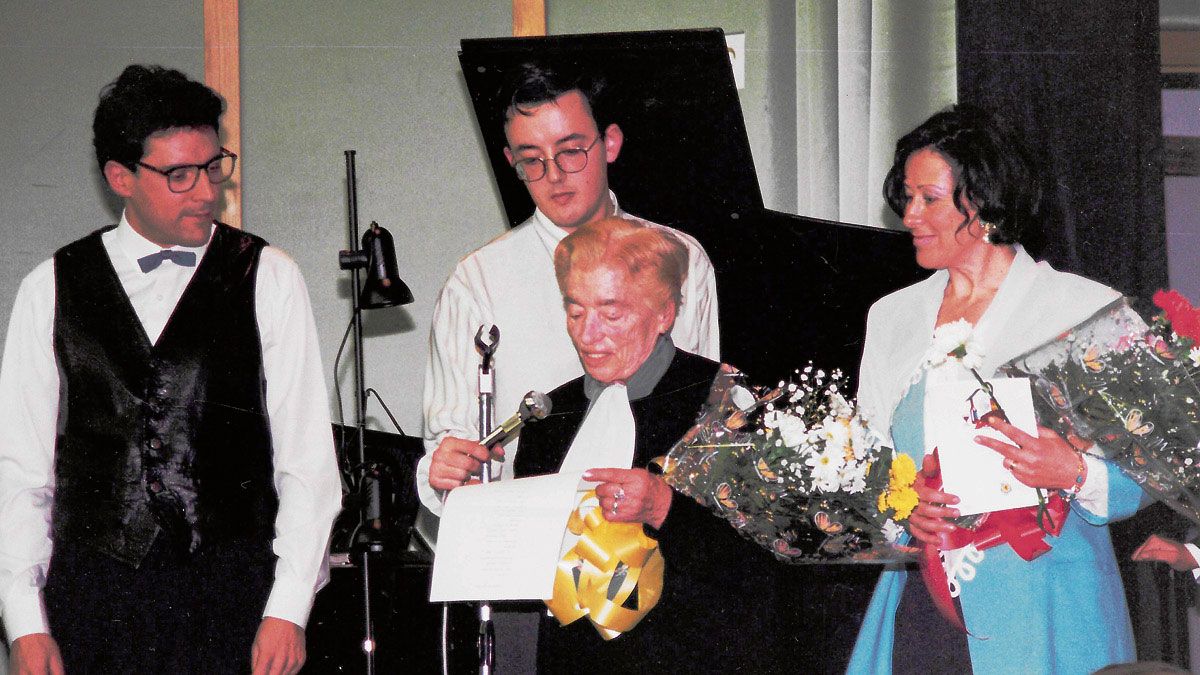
(973, 472)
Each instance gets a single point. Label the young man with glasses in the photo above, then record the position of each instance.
(560, 146)
(169, 479)
(561, 151)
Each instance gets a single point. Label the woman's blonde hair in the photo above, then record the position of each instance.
(648, 252)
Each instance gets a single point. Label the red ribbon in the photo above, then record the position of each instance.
(1019, 528)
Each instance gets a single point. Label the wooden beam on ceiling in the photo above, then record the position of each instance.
(529, 17)
(222, 73)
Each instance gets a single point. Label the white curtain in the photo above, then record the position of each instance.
(867, 72)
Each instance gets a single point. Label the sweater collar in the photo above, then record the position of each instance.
(645, 378)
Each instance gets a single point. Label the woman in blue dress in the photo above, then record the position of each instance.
(968, 194)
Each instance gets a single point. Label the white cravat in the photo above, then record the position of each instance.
(605, 439)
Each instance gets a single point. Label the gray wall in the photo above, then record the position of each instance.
(381, 79)
(57, 55)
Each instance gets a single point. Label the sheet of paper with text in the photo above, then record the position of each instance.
(501, 541)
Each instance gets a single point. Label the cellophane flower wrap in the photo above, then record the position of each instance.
(1129, 389)
(795, 469)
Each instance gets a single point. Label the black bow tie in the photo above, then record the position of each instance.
(152, 261)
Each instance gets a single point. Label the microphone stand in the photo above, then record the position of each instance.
(487, 411)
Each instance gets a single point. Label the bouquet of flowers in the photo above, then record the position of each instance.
(796, 470)
(1130, 389)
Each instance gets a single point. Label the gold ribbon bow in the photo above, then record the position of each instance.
(584, 583)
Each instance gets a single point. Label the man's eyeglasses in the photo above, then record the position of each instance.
(572, 160)
(183, 177)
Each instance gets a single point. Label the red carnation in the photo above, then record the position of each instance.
(1185, 319)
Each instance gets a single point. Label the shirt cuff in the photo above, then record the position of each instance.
(1093, 496)
(24, 614)
(430, 498)
(1195, 551)
(290, 601)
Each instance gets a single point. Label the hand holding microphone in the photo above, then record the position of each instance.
(456, 460)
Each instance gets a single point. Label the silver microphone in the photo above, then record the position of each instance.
(534, 405)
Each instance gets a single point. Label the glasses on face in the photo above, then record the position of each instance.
(183, 177)
(571, 160)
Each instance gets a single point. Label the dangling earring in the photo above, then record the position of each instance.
(989, 231)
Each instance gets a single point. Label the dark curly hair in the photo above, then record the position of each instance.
(993, 170)
(533, 84)
(146, 99)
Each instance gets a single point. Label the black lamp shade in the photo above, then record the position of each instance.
(383, 286)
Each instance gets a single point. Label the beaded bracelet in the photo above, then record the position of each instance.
(1073, 492)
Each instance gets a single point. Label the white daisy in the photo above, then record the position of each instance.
(825, 468)
(853, 477)
(892, 531)
(792, 430)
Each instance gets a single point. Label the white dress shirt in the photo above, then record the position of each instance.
(305, 468)
(510, 282)
(1194, 551)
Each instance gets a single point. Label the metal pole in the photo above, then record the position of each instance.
(360, 406)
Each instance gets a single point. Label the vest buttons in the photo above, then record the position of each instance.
(162, 391)
(155, 487)
(155, 444)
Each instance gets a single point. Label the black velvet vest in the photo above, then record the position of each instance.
(168, 438)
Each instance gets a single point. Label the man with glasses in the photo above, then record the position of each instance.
(560, 145)
(167, 473)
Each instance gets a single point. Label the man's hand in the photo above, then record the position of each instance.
(35, 654)
(278, 648)
(1161, 549)
(457, 462)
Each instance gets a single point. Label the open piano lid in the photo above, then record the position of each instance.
(790, 288)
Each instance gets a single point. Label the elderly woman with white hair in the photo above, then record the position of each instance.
(621, 284)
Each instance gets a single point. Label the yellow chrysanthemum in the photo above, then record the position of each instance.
(900, 495)
(904, 501)
(903, 472)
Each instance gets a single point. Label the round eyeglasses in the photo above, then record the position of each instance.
(183, 177)
(571, 160)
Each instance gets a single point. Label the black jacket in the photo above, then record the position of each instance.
(718, 611)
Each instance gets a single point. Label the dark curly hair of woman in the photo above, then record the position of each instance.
(993, 170)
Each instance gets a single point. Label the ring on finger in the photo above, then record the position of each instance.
(620, 494)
